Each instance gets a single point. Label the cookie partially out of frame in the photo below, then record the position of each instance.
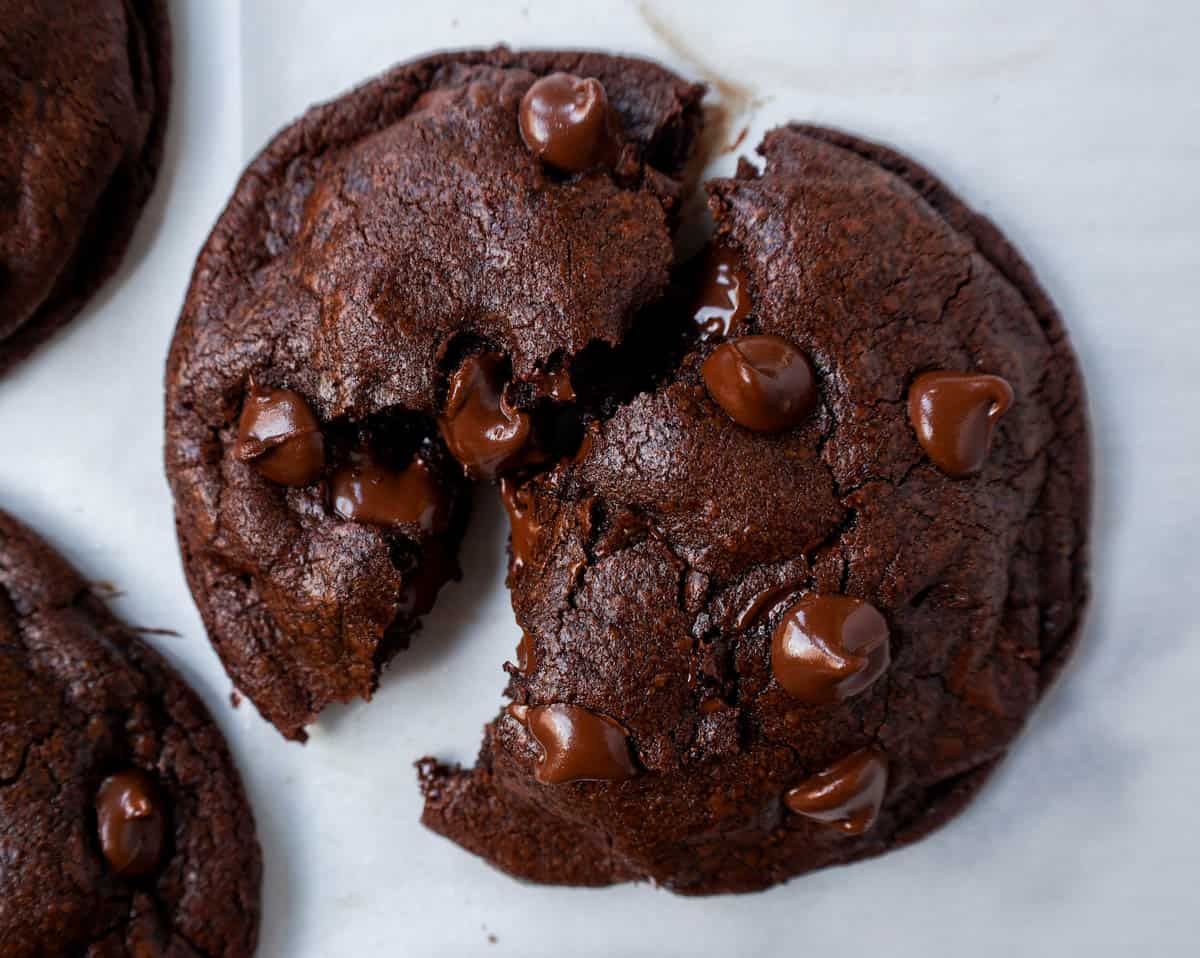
(124, 828)
(85, 86)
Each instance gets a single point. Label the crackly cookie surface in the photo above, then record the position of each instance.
(85, 86)
(124, 829)
(425, 257)
(774, 621)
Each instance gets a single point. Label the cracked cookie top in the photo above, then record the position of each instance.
(85, 86)
(124, 829)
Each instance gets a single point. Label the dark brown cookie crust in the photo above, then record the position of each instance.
(99, 134)
(373, 243)
(82, 698)
(673, 520)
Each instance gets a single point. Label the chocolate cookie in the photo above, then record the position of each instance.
(398, 296)
(86, 87)
(124, 829)
(789, 608)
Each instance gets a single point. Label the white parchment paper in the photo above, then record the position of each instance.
(1073, 123)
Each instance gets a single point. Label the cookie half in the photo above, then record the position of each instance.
(400, 295)
(86, 86)
(789, 608)
(124, 828)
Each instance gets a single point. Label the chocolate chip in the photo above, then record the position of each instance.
(761, 602)
(846, 795)
(762, 382)
(368, 491)
(827, 648)
(279, 434)
(723, 299)
(486, 434)
(565, 121)
(555, 386)
(132, 823)
(953, 415)
(577, 745)
(524, 529)
(437, 567)
(526, 653)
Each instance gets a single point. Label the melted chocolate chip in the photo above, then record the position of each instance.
(565, 121)
(524, 530)
(555, 386)
(723, 300)
(279, 434)
(577, 745)
(526, 660)
(828, 648)
(369, 492)
(762, 382)
(760, 603)
(132, 823)
(484, 433)
(953, 415)
(436, 569)
(846, 795)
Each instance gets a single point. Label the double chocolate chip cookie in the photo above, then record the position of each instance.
(798, 529)
(85, 86)
(124, 829)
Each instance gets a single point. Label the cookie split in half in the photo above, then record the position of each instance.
(798, 530)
